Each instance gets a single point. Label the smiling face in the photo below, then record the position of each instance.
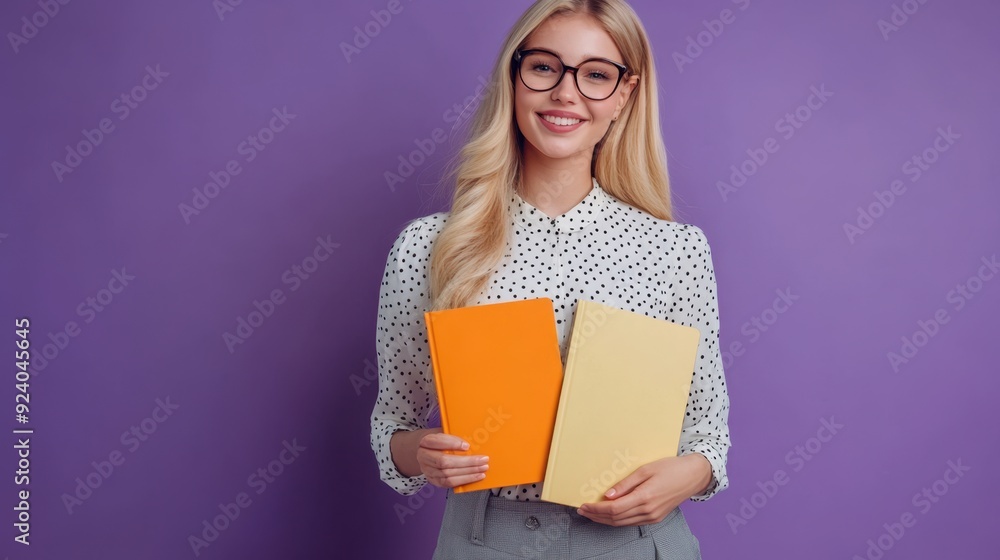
(543, 116)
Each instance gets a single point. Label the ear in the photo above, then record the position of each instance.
(626, 92)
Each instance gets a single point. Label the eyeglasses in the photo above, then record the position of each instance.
(541, 70)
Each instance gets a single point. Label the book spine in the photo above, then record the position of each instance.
(567, 380)
(435, 370)
(439, 385)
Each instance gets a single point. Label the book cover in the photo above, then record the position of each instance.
(498, 376)
(622, 402)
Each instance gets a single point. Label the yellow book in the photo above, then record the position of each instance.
(622, 403)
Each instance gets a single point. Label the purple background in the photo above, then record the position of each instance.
(302, 374)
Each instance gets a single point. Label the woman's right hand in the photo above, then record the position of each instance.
(448, 470)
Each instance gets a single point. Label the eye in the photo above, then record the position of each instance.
(540, 67)
(598, 76)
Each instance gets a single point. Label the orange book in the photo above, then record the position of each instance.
(498, 376)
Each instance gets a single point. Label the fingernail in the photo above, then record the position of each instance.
(465, 445)
(482, 476)
(609, 493)
(484, 459)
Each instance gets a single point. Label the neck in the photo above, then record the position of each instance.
(555, 186)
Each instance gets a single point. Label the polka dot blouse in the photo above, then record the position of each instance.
(603, 250)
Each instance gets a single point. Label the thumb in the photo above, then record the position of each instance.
(625, 485)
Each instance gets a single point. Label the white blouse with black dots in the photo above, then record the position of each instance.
(603, 250)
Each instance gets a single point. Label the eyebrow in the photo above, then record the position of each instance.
(557, 53)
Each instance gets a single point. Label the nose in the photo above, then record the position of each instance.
(565, 82)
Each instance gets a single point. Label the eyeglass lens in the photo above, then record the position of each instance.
(595, 79)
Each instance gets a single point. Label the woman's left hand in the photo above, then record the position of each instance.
(651, 491)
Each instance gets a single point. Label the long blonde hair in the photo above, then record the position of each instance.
(629, 162)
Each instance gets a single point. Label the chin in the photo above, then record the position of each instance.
(564, 155)
(562, 150)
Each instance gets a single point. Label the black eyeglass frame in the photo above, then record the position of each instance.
(519, 57)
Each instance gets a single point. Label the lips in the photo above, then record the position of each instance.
(560, 122)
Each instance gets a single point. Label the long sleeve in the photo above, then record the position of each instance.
(405, 388)
(602, 249)
(705, 429)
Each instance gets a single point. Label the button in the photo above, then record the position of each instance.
(532, 523)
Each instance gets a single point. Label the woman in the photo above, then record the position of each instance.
(561, 191)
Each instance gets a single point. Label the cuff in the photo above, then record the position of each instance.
(407, 486)
(719, 479)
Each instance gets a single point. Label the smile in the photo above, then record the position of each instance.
(561, 121)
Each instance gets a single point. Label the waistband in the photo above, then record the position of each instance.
(483, 500)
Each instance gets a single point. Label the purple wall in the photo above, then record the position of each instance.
(872, 214)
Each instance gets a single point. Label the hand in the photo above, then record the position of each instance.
(651, 491)
(448, 470)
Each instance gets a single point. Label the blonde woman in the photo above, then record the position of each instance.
(561, 191)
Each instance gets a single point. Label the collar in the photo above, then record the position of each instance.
(526, 216)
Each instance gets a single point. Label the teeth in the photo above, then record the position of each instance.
(560, 121)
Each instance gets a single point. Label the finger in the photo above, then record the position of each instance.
(443, 441)
(465, 470)
(457, 461)
(605, 519)
(627, 484)
(433, 463)
(442, 460)
(597, 518)
(613, 508)
(453, 481)
(637, 517)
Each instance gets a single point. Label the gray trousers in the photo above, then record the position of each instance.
(477, 525)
